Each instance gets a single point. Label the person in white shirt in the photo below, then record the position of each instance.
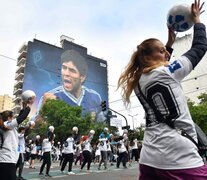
(9, 151)
(33, 154)
(68, 154)
(46, 150)
(156, 81)
(122, 153)
(87, 151)
(134, 148)
(21, 150)
(103, 138)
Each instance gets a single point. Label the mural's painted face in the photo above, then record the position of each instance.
(71, 78)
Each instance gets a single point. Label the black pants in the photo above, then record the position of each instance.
(46, 160)
(87, 159)
(104, 159)
(135, 153)
(67, 158)
(7, 171)
(20, 164)
(122, 157)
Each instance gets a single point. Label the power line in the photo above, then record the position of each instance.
(8, 57)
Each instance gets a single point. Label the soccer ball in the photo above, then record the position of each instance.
(179, 18)
(31, 123)
(92, 131)
(75, 129)
(51, 128)
(27, 95)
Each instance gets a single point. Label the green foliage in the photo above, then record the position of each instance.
(137, 133)
(64, 117)
(203, 98)
(199, 112)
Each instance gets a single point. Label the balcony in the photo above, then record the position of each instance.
(17, 100)
(23, 48)
(20, 69)
(19, 76)
(18, 85)
(21, 61)
(22, 55)
(17, 91)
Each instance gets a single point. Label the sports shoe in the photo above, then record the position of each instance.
(61, 172)
(71, 173)
(48, 175)
(40, 174)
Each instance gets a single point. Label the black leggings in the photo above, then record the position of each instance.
(87, 159)
(46, 160)
(20, 164)
(67, 158)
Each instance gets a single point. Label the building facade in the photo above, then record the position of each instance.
(196, 82)
(6, 102)
(39, 69)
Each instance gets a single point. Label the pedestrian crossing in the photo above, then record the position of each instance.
(33, 174)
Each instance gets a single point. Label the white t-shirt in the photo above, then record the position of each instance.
(164, 147)
(46, 145)
(87, 145)
(68, 146)
(122, 147)
(103, 145)
(21, 145)
(9, 152)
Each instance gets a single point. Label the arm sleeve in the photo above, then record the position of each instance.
(23, 115)
(169, 49)
(199, 45)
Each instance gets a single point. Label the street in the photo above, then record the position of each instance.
(131, 173)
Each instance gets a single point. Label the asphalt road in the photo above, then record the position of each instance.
(112, 173)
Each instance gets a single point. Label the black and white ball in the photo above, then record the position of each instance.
(27, 95)
(51, 128)
(179, 18)
(92, 131)
(75, 129)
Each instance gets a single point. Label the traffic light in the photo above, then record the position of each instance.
(103, 105)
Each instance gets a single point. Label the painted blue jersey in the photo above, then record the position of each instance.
(89, 100)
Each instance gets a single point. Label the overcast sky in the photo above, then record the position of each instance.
(110, 29)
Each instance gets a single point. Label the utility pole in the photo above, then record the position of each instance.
(120, 115)
(133, 119)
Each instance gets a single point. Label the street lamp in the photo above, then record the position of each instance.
(133, 119)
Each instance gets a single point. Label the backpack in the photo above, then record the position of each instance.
(202, 141)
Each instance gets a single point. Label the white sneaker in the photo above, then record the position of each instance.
(61, 172)
(71, 173)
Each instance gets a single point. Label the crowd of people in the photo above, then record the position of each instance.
(80, 150)
(166, 153)
(16, 149)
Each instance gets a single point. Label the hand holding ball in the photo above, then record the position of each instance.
(92, 132)
(51, 128)
(28, 95)
(75, 129)
(31, 124)
(179, 18)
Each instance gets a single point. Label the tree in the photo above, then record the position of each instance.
(64, 117)
(199, 111)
